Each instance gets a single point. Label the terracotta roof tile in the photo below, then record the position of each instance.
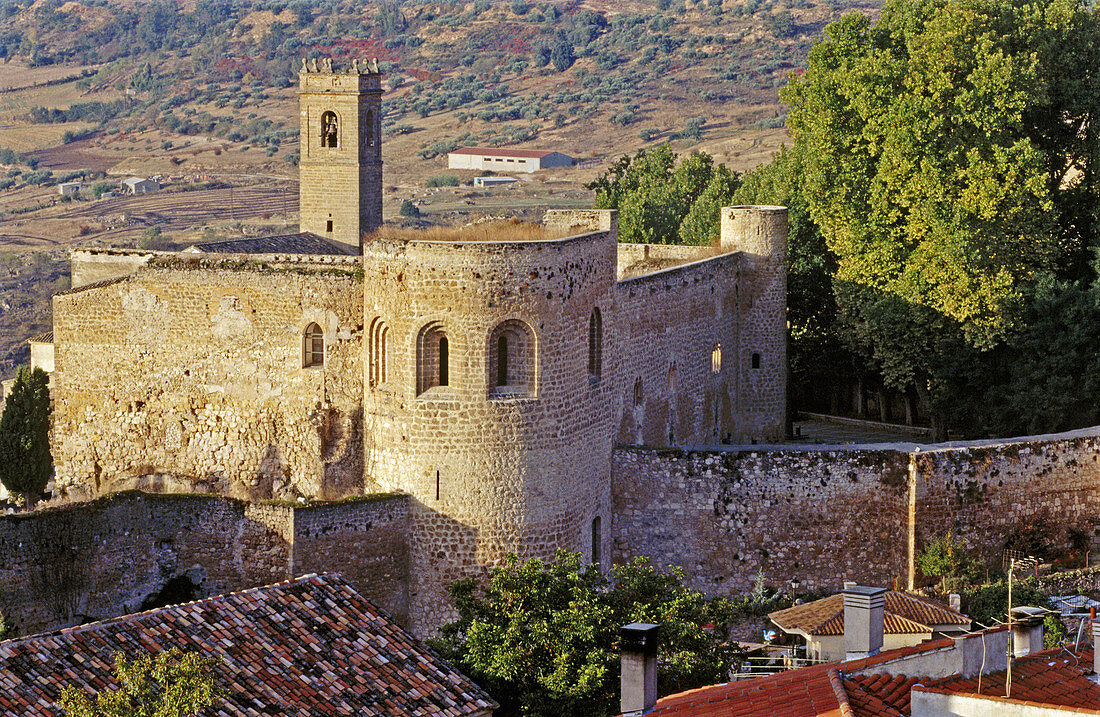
(1050, 677)
(306, 646)
(903, 614)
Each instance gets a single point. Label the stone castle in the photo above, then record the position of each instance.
(487, 382)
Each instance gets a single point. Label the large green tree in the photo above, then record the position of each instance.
(949, 158)
(25, 461)
(661, 201)
(541, 637)
(171, 684)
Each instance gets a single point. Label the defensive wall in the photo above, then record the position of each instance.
(94, 560)
(188, 375)
(824, 515)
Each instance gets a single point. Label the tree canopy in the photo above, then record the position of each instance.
(541, 637)
(171, 684)
(949, 155)
(25, 461)
(662, 202)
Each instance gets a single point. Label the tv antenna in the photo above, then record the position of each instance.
(1013, 563)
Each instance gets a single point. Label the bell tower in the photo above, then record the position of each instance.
(340, 150)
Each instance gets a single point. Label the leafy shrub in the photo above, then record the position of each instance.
(443, 180)
(410, 210)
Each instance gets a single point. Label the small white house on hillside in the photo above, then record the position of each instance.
(138, 185)
(506, 160)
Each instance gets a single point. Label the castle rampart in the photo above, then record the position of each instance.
(826, 514)
(100, 559)
(190, 376)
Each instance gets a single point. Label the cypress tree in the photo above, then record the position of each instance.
(25, 461)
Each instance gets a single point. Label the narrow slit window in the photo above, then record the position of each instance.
(756, 360)
(444, 358)
(639, 396)
(716, 359)
(379, 340)
(597, 535)
(314, 346)
(595, 343)
(328, 226)
(502, 361)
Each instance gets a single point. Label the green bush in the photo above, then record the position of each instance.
(443, 180)
(410, 210)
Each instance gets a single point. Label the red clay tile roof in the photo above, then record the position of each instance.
(806, 692)
(880, 695)
(309, 646)
(903, 614)
(501, 152)
(1051, 677)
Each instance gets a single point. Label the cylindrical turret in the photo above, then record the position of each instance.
(488, 400)
(760, 233)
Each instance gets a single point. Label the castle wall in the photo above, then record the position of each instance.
(670, 325)
(189, 377)
(637, 259)
(90, 561)
(824, 515)
(91, 265)
(365, 540)
(983, 491)
(524, 470)
(726, 515)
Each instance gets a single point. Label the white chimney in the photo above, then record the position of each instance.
(863, 613)
(638, 674)
(1027, 630)
(954, 601)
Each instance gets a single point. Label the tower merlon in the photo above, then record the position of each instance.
(758, 230)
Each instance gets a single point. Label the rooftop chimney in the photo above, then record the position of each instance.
(954, 601)
(863, 611)
(1027, 630)
(638, 676)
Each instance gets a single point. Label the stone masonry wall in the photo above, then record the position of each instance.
(670, 324)
(824, 515)
(725, 515)
(490, 470)
(984, 491)
(101, 559)
(192, 379)
(364, 539)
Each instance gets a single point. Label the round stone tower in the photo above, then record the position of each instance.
(760, 233)
(488, 400)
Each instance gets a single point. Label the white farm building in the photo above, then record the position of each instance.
(506, 160)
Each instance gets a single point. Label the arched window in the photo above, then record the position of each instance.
(716, 359)
(313, 346)
(595, 343)
(432, 358)
(756, 360)
(639, 396)
(330, 130)
(379, 350)
(512, 359)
